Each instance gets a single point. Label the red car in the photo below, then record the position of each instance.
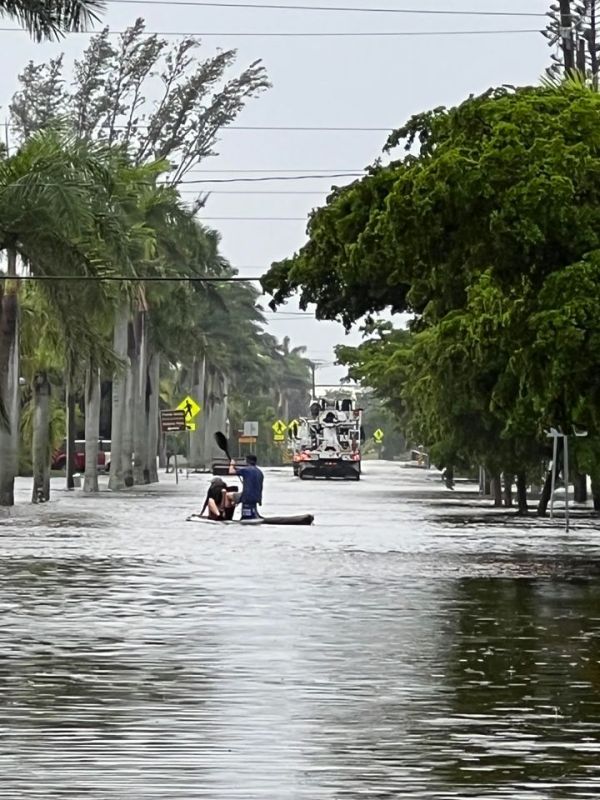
(59, 459)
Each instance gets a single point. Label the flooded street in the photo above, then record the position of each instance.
(405, 646)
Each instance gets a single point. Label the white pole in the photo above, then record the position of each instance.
(553, 484)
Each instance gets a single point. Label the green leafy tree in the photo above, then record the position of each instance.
(492, 200)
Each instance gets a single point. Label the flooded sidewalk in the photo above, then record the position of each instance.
(413, 643)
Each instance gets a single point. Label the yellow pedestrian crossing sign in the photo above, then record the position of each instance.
(378, 436)
(191, 408)
(279, 427)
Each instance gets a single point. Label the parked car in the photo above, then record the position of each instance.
(59, 459)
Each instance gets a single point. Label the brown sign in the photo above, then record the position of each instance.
(247, 440)
(172, 421)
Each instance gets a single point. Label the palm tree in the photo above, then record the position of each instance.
(48, 19)
(48, 199)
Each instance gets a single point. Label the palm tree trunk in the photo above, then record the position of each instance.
(118, 399)
(542, 507)
(209, 409)
(140, 401)
(215, 418)
(522, 494)
(92, 428)
(197, 436)
(580, 488)
(41, 438)
(508, 489)
(152, 424)
(9, 386)
(496, 486)
(131, 383)
(71, 432)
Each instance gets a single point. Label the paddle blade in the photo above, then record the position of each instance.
(221, 441)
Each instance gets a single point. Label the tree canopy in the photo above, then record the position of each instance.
(486, 231)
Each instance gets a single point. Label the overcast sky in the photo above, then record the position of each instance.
(326, 81)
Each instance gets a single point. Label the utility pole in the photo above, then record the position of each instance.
(566, 35)
(573, 30)
(313, 368)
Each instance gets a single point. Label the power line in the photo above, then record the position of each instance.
(275, 178)
(255, 219)
(307, 34)
(299, 128)
(313, 192)
(300, 169)
(278, 7)
(132, 279)
(18, 185)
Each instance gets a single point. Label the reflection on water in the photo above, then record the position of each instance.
(383, 653)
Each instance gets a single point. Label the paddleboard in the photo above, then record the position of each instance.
(300, 519)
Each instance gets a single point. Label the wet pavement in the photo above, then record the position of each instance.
(411, 644)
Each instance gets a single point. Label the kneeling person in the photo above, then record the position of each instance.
(219, 501)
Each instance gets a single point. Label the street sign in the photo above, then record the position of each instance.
(247, 440)
(293, 427)
(278, 437)
(190, 426)
(378, 436)
(251, 429)
(172, 421)
(279, 428)
(189, 407)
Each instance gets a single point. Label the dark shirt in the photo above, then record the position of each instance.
(253, 485)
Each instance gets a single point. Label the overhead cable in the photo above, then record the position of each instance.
(361, 9)
(306, 34)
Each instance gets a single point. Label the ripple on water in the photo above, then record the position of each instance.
(386, 652)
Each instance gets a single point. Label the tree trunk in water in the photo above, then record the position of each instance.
(215, 418)
(596, 492)
(141, 398)
(542, 508)
(9, 386)
(131, 382)
(197, 436)
(71, 432)
(522, 493)
(496, 487)
(118, 400)
(152, 425)
(448, 476)
(580, 488)
(209, 427)
(92, 428)
(508, 484)
(41, 438)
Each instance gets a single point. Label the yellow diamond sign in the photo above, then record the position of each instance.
(378, 436)
(279, 427)
(191, 408)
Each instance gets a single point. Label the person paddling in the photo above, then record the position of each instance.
(251, 495)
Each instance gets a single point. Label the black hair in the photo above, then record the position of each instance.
(251, 459)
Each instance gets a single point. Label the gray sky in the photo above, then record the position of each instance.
(343, 82)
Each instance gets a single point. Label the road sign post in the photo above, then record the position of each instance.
(173, 421)
(190, 409)
(555, 435)
(378, 437)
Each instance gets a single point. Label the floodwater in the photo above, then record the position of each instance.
(411, 644)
